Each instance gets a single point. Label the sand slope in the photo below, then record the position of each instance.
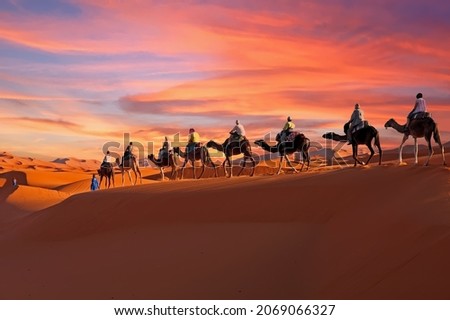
(373, 232)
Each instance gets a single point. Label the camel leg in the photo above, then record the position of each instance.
(129, 177)
(380, 153)
(355, 155)
(135, 177)
(443, 153)
(172, 165)
(100, 183)
(289, 163)
(140, 175)
(372, 152)
(174, 169)
(123, 177)
(112, 177)
(430, 151)
(161, 170)
(405, 137)
(243, 167)
(215, 169)
(416, 152)
(231, 167)
(306, 159)
(224, 167)
(203, 169)
(279, 166)
(253, 165)
(193, 169)
(438, 140)
(303, 161)
(182, 168)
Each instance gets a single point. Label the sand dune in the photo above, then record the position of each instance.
(80, 164)
(32, 199)
(377, 232)
(11, 162)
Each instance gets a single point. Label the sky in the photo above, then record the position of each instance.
(78, 74)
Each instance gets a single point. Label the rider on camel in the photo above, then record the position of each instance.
(238, 132)
(287, 129)
(193, 140)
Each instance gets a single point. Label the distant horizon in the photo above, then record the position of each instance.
(76, 74)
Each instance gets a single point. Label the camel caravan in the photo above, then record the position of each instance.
(357, 131)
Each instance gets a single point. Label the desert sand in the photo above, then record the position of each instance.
(374, 232)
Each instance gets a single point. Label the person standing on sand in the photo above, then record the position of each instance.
(94, 183)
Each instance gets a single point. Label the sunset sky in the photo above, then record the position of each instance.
(75, 74)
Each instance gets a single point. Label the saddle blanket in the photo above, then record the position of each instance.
(292, 135)
(420, 115)
(360, 126)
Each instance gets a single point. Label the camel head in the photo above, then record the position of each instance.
(389, 123)
(259, 142)
(328, 135)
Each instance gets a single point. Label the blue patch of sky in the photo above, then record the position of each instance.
(7, 6)
(44, 7)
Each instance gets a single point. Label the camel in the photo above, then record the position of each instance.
(231, 149)
(166, 161)
(418, 128)
(300, 144)
(129, 164)
(363, 136)
(200, 153)
(108, 173)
